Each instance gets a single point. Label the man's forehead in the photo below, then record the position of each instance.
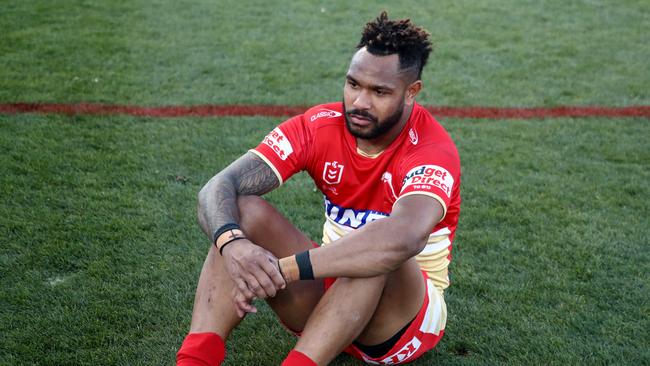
(377, 70)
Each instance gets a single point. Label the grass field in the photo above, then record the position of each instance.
(99, 247)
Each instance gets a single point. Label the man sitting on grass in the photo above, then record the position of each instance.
(390, 175)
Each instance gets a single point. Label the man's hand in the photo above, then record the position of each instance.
(254, 271)
(242, 304)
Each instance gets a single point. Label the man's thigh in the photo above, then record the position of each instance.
(265, 226)
(400, 302)
(422, 335)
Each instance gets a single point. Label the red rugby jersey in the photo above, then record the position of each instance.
(358, 189)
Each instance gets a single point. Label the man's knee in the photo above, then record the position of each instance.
(253, 210)
(366, 286)
(265, 226)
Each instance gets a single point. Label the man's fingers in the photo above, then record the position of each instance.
(242, 304)
(256, 272)
(254, 286)
(269, 276)
(240, 312)
(241, 298)
(272, 268)
(243, 308)
(249, 308)
(243, 288)
(267, 286)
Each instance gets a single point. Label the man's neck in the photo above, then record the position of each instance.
(375, 146)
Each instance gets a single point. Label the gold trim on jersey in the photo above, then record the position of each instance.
(267, 161)
(333, 231)
(367, 155)
(435, 318)
(444, 206)
(434, 258)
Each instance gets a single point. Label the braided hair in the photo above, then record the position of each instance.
(411, 43)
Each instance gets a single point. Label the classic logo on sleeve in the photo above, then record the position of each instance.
(426, 176)
(279, 143)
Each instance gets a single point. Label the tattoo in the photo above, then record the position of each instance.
(255, 176)
(248, 175)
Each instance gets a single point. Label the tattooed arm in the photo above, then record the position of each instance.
(253, 269)
(248, 175)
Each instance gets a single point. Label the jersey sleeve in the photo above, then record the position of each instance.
(433, 171)
(284, 148)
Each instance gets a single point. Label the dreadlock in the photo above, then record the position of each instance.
(383, 37)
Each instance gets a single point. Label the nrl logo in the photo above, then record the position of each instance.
(332, 172)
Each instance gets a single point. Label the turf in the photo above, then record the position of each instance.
(501, 53)
(99, 246)
(100, 250)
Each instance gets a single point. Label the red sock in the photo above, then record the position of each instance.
(201, 349)
(295, 358)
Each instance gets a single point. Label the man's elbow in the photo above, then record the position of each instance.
(402, 250)
(411, 244)
(207, 191)
(418, 243)
(201, 208)
(202, 198)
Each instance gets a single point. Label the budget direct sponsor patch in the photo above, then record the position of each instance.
(424, 177)
(279, 143)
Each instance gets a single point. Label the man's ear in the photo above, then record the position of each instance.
(412, 90)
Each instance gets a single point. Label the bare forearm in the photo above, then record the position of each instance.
(379, 247)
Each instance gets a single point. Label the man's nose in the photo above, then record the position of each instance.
(362, 100)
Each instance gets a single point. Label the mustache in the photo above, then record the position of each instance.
(361, 113)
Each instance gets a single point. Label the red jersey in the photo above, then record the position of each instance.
(359, 188)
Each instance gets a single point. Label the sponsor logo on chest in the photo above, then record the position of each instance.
(279, 143)
(351, 217)
(425, 176)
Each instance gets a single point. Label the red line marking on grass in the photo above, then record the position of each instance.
(280, 111)
(540, 112)
(162, 111)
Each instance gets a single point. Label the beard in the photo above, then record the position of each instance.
(376, 127)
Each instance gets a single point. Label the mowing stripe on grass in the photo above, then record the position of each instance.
(280, 110)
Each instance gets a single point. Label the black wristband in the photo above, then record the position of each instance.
(223, 229)
(304, 266)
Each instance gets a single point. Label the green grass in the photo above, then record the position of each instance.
(100, 252)
(99, 247)
(498, 53)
